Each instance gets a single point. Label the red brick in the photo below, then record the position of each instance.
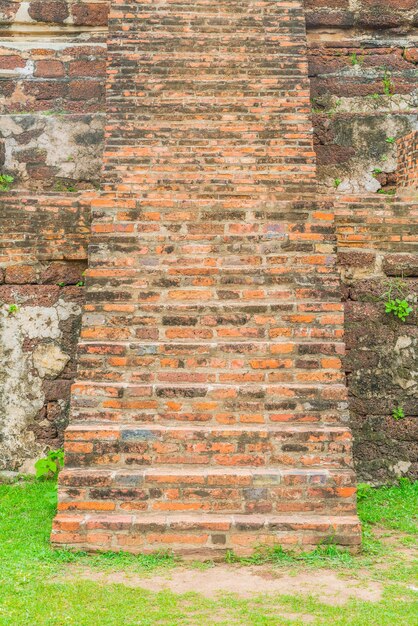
(20, 274)
(87, 68)
(49, 69)
(85, 90)
(90, 14)
(49, 10)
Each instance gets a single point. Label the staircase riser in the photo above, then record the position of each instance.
(177, 497)
(192, 539)
(142, 447)
(244, 399)
(252, 361)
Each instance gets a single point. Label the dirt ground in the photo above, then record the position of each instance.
(327, 585)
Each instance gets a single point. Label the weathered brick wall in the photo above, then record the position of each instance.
(408, 161)
(52, 93)
(52, 76)
(52, 133)
(362, 65)
(43, 252)
(378, 243)
(363, 70)
(52, 70)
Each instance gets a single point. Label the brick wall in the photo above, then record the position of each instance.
(363, 71)
(63, 76)
(43, 254)
(408, 161)
(53, 88)
(378, 243)
(52, 70)
(52, 93)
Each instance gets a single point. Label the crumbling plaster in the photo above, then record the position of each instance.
(22, 373)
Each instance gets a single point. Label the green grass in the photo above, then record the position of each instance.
(39, 586)
(395, 508)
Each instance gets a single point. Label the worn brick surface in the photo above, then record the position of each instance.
(210, 400)
(408, 161)
(378, 243)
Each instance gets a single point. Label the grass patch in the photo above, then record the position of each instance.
(394, 507)
(322, 556)
(35, 591)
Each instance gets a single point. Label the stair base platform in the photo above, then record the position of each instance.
(203, 536)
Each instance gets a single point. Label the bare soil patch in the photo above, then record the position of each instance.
(245, 582)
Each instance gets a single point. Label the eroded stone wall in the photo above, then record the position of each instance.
(43, 249)
(52, 69)
(377, 242)
(52, 72)
(364, 77)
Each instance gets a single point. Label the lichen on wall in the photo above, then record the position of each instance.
(377, 252)
(57, 152)
(364, 76)
(24, 370)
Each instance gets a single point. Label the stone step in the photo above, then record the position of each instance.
(209, 490)
(202, 535)
(112, 445)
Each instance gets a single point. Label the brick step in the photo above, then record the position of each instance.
(213, 490)
(194, 353)
(195, 286)
(200, 363)
(323, 325)
(216, 224)
(149, 445)
(209, 323)
(202, 535)
(237, 401)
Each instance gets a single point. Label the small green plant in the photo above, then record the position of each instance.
(55, 112)
(60, 186)
(377, 171)
(337, 182)
(13, 309)
(397, 306)
(49, 466)
(62, 284)
(398, 413)
(5, 182)
(363, 491)
(388, 86)
(80, 283)
(355, 59)
(390, 139)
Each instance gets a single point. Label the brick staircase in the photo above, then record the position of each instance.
(210, 407)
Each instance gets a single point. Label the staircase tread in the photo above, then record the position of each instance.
(203, 517)
(241, 428)
(189, 471)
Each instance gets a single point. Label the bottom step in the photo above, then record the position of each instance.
(205, 536)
